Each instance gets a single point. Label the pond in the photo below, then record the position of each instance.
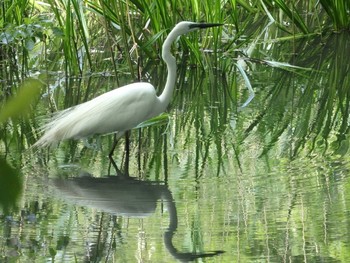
(209, 180)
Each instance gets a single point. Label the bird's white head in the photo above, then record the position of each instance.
(187, 26)
(180, 29)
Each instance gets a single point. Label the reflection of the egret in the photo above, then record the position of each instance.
(126, 196)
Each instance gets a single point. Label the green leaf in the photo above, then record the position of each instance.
(152, 40)
(10, 185)
(158, 120)
(293, 15)
(20, 103)
(29, 44)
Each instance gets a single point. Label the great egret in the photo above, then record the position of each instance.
(121, 109)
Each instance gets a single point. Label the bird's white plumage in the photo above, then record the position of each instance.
(121, 109)
(110, 112)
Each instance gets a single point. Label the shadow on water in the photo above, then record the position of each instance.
(128, 197)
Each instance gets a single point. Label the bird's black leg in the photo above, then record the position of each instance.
(110, 155)
(127, 152)
(115, 166)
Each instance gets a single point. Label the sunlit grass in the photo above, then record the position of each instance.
(81, 30)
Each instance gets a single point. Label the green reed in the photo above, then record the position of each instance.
(308, 110)
(338, 13)
(123, 29)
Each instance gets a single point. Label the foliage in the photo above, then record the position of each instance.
(21, 103)
(123, 31)
(121, 40)
(338, 12)
(313, 109)
(10, 186)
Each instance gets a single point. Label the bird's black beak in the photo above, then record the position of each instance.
(204, 25)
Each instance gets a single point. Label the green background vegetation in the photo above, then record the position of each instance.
(260, 174)
(121, 40)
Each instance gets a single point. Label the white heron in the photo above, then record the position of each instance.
(121, 109)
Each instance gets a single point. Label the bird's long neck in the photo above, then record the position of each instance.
(171, 66)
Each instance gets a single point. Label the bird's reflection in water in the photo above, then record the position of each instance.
(126, 196)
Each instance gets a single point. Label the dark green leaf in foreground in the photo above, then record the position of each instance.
(10, 185)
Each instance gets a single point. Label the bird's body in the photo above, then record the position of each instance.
(121, 109)
(99, 114)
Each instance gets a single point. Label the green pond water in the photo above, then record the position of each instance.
(209, 181)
